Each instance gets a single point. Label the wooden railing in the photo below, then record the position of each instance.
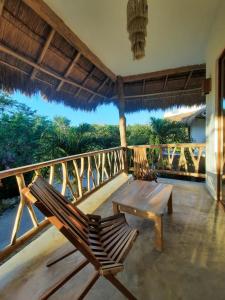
(78, 176)
(75, 177)
(173, 159)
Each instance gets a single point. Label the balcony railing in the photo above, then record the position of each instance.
(74, 176)
(173, 159)
(78, 176)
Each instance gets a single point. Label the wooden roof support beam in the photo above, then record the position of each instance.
(68, 71)
(108, 94)
(188, 80)
(166, 93)
(102, 84)
(122, 121)
(162, 73)
(27, 74)
(47, 14)
(24, 72)
(9, 51)
(85, 81)
(2, 2)
(143, 87)
(43, 52)
(165, 82)
(99, 89)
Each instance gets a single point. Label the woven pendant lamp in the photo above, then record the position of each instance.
(137, 20)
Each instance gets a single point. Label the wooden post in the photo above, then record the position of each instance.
(122, 121)
(122, 118)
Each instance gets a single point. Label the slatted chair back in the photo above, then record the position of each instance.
(142, 170)
(104, 242)
(141, 165)
(66, 217)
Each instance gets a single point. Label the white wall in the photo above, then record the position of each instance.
(216, 45)
(197, 131)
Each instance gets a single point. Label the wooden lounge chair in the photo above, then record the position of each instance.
(103, 242)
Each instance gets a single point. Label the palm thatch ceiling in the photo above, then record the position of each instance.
(38, 52)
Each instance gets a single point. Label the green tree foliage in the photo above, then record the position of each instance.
(26, 137)
(6, 103)
(167, 132)
(20, 134)
(138, 134)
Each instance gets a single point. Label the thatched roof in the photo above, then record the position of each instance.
(38, 52)
(188, 117)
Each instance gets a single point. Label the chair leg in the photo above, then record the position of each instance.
(62, 281)
(88, 286)
(54, 261)
(120, 287)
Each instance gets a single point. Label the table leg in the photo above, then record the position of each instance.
(170, 205)
(159, 232)
(116, 209)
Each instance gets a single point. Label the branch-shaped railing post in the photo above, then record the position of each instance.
(125, 160)
(174, 159)
(78, 175)
(21, 185)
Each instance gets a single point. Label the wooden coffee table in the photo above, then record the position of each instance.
(147, 200)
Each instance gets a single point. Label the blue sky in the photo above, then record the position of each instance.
(106, 114)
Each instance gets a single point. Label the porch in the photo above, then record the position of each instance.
(40, 52)
(191, 266)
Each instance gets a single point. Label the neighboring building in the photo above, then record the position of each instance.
(196, 123)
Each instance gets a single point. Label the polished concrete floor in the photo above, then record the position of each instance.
(192, 266)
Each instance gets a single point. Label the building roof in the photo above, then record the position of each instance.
(188, 117)
(39, 52)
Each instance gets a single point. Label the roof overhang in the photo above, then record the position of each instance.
(39, 52)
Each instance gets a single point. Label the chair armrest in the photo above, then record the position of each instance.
(93, 219)
(116, 216)
(97, 217)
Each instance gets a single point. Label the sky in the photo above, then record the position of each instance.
(105, 114)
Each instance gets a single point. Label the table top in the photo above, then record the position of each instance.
(144, 195)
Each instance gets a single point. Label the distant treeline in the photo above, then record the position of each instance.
(26, 137)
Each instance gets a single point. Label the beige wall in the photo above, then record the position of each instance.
(216, 44)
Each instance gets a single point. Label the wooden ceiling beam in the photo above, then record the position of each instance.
(27, 74)
(69, 69)
(162, 73)
(43, 52)
(2, 2)
(26, 60)
(47, 14)
(170, 93)
(188, 79)
(143, 87)
(110, 85)
(85, 81)
(102, 84)
(165, 82)
(24, 72)
(99, 89)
